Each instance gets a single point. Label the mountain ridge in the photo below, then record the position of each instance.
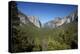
(24, 19)
(58, 21)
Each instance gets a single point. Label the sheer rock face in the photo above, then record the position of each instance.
(60, 21)
(35, 21)
(29, 19)
(54, 23)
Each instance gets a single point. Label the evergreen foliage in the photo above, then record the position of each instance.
(28, 38)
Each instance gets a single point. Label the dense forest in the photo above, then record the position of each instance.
(29, 38)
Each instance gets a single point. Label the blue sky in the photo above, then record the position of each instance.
(44, 11)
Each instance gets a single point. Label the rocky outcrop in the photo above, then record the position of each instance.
(29, 19)
(23, 19)
(60, 21)
(35, 21)
(54, 23)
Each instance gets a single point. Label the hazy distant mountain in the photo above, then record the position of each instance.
(60, 21)
(54, 23)
(29, 19)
